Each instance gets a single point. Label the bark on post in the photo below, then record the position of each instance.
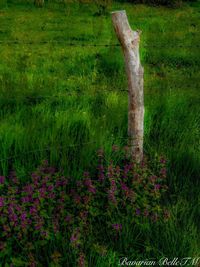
(129, 40)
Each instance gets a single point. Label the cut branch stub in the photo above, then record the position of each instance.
(129, 40)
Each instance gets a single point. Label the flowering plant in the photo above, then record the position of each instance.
(76, 212)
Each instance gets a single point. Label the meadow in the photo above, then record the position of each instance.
(63, 96)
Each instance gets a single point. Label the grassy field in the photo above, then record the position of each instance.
(63, 102)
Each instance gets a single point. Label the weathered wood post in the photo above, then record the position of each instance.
(129, 40)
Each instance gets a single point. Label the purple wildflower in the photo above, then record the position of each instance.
(38, 226)
(74, 240)
(28, 189)
(39, 223)
(125, 172)
(91, 188)
(125, 188)
(10, 208)
(143, 164)
(117, 170)
(111, 197)
(33, 210)
(162, 160)
(23, 216)
(2, 179)
(51, 195)
(101, 174)
(117, 227)
(34, 176)
(28, 221)
(13, 217)
(25, 199)
(88, 182)
(42, 192)
(157, 186)
(58, 183)
(138, 212)
(68, 218)
(45, 180)
(50, 188)
(110, 171)
(64, 182)
(163, 172)
(112, 191)
(18, 208)
(113, 185)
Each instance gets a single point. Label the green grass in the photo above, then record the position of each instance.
(63, 103)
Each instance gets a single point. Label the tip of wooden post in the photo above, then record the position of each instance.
(118, 11)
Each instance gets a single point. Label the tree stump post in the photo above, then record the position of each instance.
(129, 41)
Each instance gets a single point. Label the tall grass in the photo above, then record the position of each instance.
(62, 103)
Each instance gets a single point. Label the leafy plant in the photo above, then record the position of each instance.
(52, 207)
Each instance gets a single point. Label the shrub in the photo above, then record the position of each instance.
(79, 214)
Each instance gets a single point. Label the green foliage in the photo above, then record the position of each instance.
(102, 6)
(85, 216)
(62, 103)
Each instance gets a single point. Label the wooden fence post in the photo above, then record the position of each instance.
(129, 41)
